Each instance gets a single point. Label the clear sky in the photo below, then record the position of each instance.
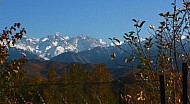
(95, 18)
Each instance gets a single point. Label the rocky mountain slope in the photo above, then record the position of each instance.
(53, 45)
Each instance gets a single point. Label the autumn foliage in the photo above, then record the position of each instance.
(9, 71)
(160, 54)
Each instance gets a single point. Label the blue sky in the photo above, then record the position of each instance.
(95, 18)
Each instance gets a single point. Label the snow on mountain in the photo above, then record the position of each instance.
(53, 45)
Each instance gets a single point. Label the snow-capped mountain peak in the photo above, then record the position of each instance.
(53, 45)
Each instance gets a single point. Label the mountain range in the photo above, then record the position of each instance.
(53, 45)
(59, 48)
(82, 49)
